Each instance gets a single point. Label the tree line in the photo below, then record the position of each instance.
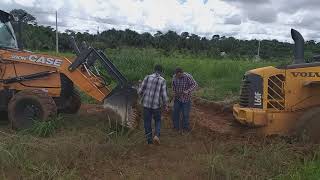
(42, 38)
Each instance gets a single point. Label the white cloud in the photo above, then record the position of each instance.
(27, 3)
(246, 19)
(6, 1)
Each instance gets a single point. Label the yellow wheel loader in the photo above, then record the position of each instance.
(35, 86)
(282, 100)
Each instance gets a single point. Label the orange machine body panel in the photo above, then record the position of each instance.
(16, 63)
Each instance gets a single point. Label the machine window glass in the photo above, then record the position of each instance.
(7, 37)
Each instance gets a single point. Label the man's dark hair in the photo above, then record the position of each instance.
(178, 70)
(158, 68)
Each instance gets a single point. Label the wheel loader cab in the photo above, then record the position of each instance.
(274, 99)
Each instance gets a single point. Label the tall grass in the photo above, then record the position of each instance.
(307, 169)
(217, 78)
(251, 161)
(45, 128)
(80, 145)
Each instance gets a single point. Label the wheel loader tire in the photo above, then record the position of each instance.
(29, 105)
(308, 125)
(73, 103)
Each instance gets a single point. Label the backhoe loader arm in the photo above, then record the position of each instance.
(112, 70)
(122, 98)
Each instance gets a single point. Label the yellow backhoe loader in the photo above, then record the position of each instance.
(35, 86)
(282, 100)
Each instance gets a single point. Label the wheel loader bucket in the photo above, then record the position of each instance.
(123, 101)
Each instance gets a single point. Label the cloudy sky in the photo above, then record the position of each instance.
(244, 19)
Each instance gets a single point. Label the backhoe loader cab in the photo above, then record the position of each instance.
(282, 100)
(35, 86)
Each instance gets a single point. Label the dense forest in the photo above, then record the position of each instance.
(38, 37)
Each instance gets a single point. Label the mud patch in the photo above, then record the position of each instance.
(205, 115)
(98, 111)
(105, 113)
(216, 117)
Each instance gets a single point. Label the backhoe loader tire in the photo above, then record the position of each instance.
(27, 106)
(308, 125)
(73, 103)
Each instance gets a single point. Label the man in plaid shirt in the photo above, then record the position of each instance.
(153, 92)
(183, 85)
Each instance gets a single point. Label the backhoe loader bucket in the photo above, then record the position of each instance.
(123, 101)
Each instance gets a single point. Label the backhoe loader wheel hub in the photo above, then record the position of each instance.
(31, 110)
(29, 105)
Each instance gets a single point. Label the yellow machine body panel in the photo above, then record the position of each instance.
(286, 94)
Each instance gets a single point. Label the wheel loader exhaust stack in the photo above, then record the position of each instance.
(298, 47)
(36, 86)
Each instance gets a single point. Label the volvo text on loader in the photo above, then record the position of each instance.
(36, 86)
(282, 100)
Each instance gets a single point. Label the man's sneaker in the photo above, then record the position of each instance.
(156, 140)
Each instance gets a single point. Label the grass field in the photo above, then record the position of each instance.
(86, 146)
(218, 78)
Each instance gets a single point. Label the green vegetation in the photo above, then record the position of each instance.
(217, 78)
(252, 160)
(42, 38)
(76, 147)
(307, 170)
(45, 128)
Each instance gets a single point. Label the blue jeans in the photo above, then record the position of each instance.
(184, 109)
(148, 113)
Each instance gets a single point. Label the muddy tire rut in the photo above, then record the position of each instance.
(210, 116)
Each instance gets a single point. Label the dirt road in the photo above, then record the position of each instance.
(217, 148)
(205, 115)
